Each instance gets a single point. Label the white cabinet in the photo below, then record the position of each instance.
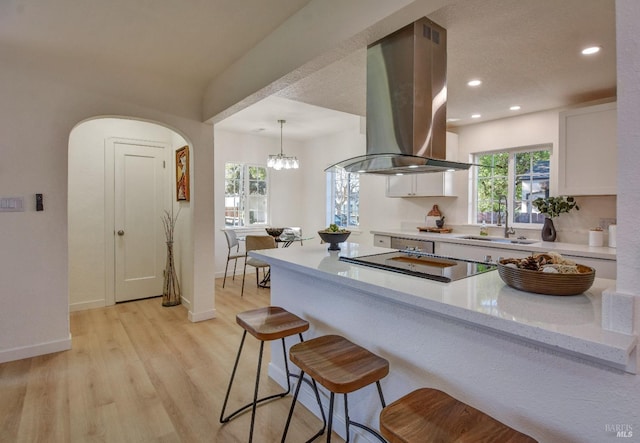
(477, 253)
(587, 156)
(604, 268)
(382, 241)
(437, 184)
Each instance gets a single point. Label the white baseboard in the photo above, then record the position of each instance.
(82, 306)
(186, 303)
(201, 316)
(250, 271)
(35, 350)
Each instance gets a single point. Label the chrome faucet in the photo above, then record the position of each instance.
(507, 231)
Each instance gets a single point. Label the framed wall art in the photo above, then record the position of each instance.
(182, 174)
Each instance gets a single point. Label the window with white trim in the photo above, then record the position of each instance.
(343, 198)
(519, 174)
(246, 195)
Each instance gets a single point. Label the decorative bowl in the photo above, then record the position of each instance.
(274, 232)
(547, 283)
(333, 238)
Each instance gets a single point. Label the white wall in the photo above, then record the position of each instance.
(318, 155)
(37, 115)
(286, 187)
(88, 257)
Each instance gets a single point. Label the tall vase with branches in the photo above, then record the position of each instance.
(171, 289)
(552, 207)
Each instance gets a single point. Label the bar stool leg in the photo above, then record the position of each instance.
(360, 425)
(347, 420)
(233, 375)
(293, 405)
(255, 402)
(255, 393)
(331, 400)
(384, 405)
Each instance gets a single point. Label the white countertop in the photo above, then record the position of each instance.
(567, 324)
(573, 249)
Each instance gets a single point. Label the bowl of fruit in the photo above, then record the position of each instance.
(274, 232)
(546, 273)
(334, 235)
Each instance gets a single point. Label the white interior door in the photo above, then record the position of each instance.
(139, 237)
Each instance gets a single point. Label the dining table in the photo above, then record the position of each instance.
(283, 241)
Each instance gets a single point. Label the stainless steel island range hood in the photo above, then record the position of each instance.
(406, 103)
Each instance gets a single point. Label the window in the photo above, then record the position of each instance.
(520, 174)
(246, 194)
(343, 198)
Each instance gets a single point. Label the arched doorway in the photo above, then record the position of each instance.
(94, 147)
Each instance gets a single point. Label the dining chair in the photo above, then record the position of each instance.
(232, 242)
(254, 243)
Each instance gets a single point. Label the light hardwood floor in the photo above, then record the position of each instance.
(140, 372)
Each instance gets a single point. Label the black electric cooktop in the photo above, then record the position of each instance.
(420, 264)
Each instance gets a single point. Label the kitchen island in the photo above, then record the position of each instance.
(540, 364)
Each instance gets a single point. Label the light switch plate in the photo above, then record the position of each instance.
(11, 204)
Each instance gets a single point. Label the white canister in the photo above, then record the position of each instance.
(612, 236)
(596, 238)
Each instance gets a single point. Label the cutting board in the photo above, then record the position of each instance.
(437, 230)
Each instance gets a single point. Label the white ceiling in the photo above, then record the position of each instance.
(302, 121)
(192, 40)
(525, 51)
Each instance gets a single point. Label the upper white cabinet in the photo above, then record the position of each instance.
(587, 160)
(435, 184)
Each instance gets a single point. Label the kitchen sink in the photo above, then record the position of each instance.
(510, 241)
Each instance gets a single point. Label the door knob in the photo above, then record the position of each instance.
(120, 232)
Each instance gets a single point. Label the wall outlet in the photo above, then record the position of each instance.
(11, 204)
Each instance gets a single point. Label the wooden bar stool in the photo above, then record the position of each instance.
(265, 324)
(340, 366)
(429, 415)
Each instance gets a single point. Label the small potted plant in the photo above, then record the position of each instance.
(552, 207)
(334, 235)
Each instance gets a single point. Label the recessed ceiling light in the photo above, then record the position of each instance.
(515, 108)
(399, 173)
(474, 83)
(591, 50)
(476, 116)
(413, 166)
(451, 120)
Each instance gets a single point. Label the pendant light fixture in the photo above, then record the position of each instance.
(281, 161)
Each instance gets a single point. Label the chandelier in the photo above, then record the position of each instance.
(281, 161)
